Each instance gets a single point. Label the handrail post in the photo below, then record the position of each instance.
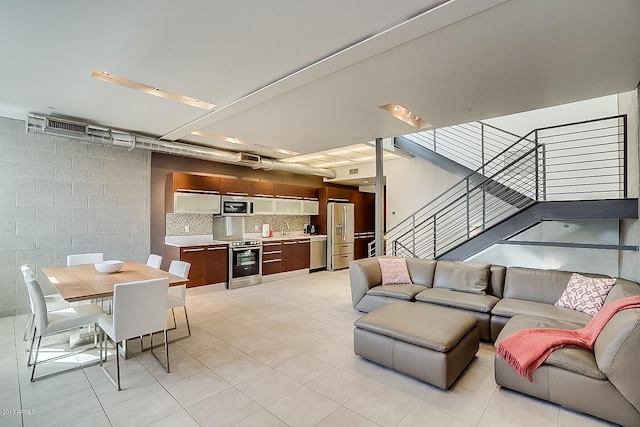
(434, 236)
(413, 243)
(468, 208)
(537, 165)
(624, 149)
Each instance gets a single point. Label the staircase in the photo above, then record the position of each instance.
(571, 171)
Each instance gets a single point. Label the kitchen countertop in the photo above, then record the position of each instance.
(207, 239)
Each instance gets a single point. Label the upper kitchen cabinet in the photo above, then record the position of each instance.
(286, 191)
(236, 187)
(263, 189)
(309, 193)
(188, 193)
(186, 182)
(338, 194)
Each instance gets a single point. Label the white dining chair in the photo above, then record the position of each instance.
(48, 323)
(53, 302)
(154, 261)
(177, 296)
(139, 308)
(90, 258)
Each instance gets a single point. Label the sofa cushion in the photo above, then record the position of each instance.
(471, 277)
(507, 307)
(578, 360)
(406, 291)
(394, 271)
(421, 270)
(478, 303)
(585, 294)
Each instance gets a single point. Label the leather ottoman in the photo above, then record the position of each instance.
(431, 343)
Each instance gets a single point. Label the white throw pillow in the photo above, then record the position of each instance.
(394, 271)
(585, 294)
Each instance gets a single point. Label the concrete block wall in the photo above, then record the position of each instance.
(60, 196)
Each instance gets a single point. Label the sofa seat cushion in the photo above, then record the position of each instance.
(463, 300)
(578, 360)
(508, 307)
(428, 326)
(406, 291)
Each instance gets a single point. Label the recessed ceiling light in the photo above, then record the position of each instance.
(402, 113)
(234, 140)
(151, 90)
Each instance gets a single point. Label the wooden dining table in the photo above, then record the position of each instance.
(83, 282)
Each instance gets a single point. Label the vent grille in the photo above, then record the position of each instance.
(56, 124)
(248, 158)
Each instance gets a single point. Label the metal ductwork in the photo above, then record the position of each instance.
(71, 129)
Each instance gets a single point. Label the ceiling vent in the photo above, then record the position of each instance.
(252, 160)
(64, 126)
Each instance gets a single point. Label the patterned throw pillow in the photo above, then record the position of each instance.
(394, 271)
(585, 294)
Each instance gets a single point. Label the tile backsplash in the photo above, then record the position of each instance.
(201, 224)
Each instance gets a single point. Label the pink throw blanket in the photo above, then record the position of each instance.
(527, 349)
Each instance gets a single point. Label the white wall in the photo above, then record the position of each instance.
(523, 123)
(59, 197)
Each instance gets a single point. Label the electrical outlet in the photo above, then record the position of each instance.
(255, 228)
(186, 228)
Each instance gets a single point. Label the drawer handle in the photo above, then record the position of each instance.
(193, 250)
(271, 253)
(271, 260)
(289, 243)
(221, 248)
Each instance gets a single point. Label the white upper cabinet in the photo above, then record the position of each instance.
(196, 203)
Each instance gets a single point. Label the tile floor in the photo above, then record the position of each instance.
(278, 354)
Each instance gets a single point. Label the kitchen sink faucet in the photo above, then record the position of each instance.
(286, 233)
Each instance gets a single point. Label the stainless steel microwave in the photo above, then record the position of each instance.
(236, 206)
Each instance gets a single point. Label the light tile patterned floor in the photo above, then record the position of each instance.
(276, 354)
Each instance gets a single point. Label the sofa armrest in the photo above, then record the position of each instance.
(364, 274)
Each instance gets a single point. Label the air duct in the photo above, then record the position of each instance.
(71, 129)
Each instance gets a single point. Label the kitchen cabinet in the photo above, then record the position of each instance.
(287, 191)
(178, 181)
(217, 264)
(310, 207)
(207, 266)
(287, 207)
(196, 203)
(309, 193)
(271, 257)
(295, 254)
(361, 244)
(263, 189)
(236, 187)
(263, 206)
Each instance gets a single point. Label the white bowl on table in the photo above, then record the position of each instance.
(108, 267)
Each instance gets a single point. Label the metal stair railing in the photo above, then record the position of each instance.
(470, 144)
(576, 161)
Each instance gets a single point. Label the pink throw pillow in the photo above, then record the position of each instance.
(394, 271)
(585, 294)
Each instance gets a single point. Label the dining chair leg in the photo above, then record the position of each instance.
(33, 339)
(28, 326)
(166, 349)
(118, 367)
(35, 360)
(187, 317)
(175, 325)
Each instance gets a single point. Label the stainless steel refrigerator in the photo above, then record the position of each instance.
(340, 235)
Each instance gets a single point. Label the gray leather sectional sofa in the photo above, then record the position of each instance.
(604, 382)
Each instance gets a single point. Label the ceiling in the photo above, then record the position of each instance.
(310, 76)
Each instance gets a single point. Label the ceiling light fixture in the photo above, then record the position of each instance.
(401, 113)
(234, 140)
(151, 90)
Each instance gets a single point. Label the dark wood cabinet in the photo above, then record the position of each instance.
(309, 193)
(263, 189)
(217, 264)
(209, 264)
(286, 191)
(195, 255)
(271, 257)
(236, 187)
(295, 254)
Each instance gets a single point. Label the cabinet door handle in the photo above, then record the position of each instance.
(271, 253)
(193, 250)
(264, 195)
(271, 260)
(289, 243)
(231, 193)
(221, 248)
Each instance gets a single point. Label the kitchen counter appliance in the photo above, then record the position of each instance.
(245, 263)
(340, 235)
(236, 206)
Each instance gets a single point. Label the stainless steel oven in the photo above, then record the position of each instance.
(245, 264)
